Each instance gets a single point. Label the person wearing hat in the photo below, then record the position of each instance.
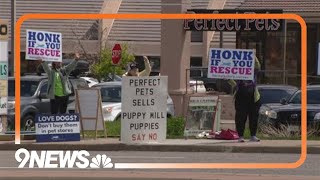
(247, 104)
(134, 70)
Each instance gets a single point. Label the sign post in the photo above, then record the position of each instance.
(144, 109)
(3, 75)
(89, 107)
(116, 57)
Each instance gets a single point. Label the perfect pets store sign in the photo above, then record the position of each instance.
(44, 45)
(237, 64)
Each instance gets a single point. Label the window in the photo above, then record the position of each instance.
(273, 95)
(313, 97)
(195, 61)
(28, 88)
(111, 94)
(296, 99)
(44, 88)
(196, 36)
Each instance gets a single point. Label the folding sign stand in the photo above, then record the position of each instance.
(89, 107)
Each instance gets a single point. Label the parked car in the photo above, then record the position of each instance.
(111, 101)
(195, 84)
(82, 67)
(90, 81)
(274, 93)
(288, 111)
(109, 78)
(33, 98)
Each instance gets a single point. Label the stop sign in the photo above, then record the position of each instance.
(116, 54)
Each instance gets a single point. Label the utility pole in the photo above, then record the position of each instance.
(13, 24)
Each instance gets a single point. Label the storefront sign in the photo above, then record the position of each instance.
(144, 109)
(233, 24)
(44, 45)
(56, 128)
(201, 115)
(237, 64)
(3, 70)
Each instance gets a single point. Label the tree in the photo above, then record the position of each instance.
(101, 60)
(104, 67)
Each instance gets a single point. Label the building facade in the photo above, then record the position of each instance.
(278, 51)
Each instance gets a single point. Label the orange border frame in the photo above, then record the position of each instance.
(180, 16)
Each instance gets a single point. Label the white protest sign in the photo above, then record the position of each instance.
(89, 106)
(237, 64)
(43, 45)
(3, 105)
(201, 114)
(144, 109)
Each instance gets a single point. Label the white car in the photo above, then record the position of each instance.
(111, 101)
(91, 81)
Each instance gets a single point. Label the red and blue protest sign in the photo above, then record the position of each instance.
(57, 128)
(44, 45)
(237, 64)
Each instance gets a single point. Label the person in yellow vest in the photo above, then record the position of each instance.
(247, 104)
(59, 86)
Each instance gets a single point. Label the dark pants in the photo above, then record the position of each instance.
(59, 104)
(246, 108)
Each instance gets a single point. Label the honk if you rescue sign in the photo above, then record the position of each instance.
(44, 45)
(144, 109)
(237, 64)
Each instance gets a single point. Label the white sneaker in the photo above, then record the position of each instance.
(254, 139)
(241, 139)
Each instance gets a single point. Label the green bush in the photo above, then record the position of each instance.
(113, 128)
(175, 127)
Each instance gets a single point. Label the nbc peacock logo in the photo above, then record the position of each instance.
(101, 161)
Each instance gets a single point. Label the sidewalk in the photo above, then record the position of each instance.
(178, 145)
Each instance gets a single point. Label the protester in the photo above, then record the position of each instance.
(247, 104)
(59, 87)
(134, 70)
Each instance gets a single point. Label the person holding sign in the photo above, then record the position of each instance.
(247, 103)
(134, 71)
(59, 87)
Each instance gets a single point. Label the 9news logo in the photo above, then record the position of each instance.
(61, 159)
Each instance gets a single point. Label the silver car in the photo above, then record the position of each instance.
(111, 101)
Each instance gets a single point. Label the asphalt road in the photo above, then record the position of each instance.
(310, 168)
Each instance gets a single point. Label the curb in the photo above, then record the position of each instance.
(162, 148)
